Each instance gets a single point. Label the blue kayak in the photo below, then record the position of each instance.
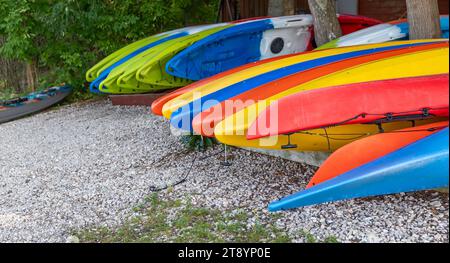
(444, 27)
(182, 117)
(422, 165)
(244, 43)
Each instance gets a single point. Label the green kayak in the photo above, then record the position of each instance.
(151, 66)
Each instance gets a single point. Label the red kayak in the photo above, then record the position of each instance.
(378, 101)
(352, 23)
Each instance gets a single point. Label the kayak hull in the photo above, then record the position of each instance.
(251, 42)
(422, 165)
(33, 105)
(422, 63)
(242, 44)
(371, 148)
(355, 103)
(396, 30)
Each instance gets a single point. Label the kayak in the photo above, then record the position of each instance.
(396, 30)
(205, 122)
(260, 69)
(421, 165)
(250, 42)
(152, 42)
(17, 108)
(242, 44)
(127, 75)
(354, 23)
(94, 72)
(369, 149)
(158, 104)
(234, 128)
(285, 77)
(365, 102)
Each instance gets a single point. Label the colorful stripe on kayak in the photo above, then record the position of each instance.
(422, 165)
(251, 42)
(242, 44)
(157, 40)
(215, 84)
(182, 118)
(233, 129)
(366, 102)
(372, 147)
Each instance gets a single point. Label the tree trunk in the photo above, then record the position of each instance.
(326, 24)
(423, 18)
(31, 75)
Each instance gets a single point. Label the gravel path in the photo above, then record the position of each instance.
(90, 164)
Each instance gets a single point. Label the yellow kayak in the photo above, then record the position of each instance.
(320, 140)
(233, 129)
(259, 69)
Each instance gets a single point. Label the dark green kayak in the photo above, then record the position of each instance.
(34, 102)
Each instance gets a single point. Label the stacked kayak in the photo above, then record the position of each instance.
(202, 108)
(359, 103)
(375, 100)
(414, 62)
(148, 52)
(236, 46)
(420, 165)
(16, 108)
(396, 30)
(173, 59)
(373, 106)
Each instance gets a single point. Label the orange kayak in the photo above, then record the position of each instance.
(370, 148)
(205, 122)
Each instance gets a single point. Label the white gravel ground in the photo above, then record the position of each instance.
(88, 165)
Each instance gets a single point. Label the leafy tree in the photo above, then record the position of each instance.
(66, 37)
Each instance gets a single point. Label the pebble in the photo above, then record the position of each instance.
(86, 166)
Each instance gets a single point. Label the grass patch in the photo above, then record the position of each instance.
(310, 238)
(178, 221)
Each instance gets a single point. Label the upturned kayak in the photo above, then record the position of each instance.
(125, 76)
(396, 30)
(365, 102)
(234, 128)
(250, 42)
(104, 68)
(241, 77)
(371, 148)
(157, 105)
(421, 165)
(20, 107)
(285, 77)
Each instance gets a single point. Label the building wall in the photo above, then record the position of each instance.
(385, 10)
(391, 9)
